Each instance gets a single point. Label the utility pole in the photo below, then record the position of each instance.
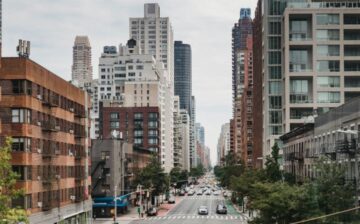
(115, 207)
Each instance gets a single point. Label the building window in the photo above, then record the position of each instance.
(274, 87)
(138, 141)
(328, 97)
(21, 144)
(114, 124)
(138, 124)
(275, 102)
(19, 87)
(275, 72)
(138, 133)
(328, 81)
(153, 141)
(20, 116)
(274, 57)
(153, 115)
(138, 115)
(114, 115)
(153, 133)
(153, 124)
(328, 66)
(328, 50)
(275, 117)
(327, 35)
(327, 19)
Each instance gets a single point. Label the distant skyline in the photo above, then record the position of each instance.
(51, 26)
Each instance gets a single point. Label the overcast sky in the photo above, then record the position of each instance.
(51, 26)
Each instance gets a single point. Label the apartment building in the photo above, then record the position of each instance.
(333, 136)
(181, 136)
(223, 145)
(48, 120)
(309, 61)
(130, 79)
(154, 35)
(257, 88)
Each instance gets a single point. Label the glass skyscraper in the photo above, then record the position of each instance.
(183, 74)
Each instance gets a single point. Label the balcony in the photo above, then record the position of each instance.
(79, 132)
(50, 125)
(300, 98)
(80, 113)
(345, 146)
(310, 154)
(54, 100)
(47, 205)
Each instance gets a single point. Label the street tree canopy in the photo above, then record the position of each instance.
(8, 192)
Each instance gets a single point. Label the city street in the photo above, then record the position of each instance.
(186, 212)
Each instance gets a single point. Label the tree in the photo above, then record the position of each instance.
(153, 177)
(334, 193)
(8, 191)
(282, 203)
(197, 171)
(272, 169)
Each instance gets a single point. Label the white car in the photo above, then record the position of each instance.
(203, 210)
(216, 193)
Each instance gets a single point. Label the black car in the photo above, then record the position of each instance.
(221, 209)
(152, 211)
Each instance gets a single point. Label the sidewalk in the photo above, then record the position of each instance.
(165, 207)
(239, 209)
(132, 213)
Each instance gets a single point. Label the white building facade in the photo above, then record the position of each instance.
(155, 37)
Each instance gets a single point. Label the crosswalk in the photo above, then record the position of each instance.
(217, 217)
(195, 197)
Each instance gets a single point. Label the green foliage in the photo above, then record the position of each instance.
(7, 188)
(153, 177)
(278, 199)
(233, 167)
(178, 175)
(273, 172)
(197, 171)
(334, 193)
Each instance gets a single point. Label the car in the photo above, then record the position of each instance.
(191, 192)
(221, 209)
(216, 193)
(199, 193)
(182, 193)
(187, 189)
(152, 211)
(208, 192)
(203, 210)
(171, 200)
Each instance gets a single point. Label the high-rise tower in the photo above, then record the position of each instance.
(155, 36)
(81, 69)
(183, 79)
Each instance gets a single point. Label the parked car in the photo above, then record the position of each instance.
(152, 211)
(191, 192)
(171, 200)
(203, 210)
(221, 209)
(216, 193)
(199, 192)
(182, 193)
(208, 192)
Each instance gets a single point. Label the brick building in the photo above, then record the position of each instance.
(47, 119)
(137, 125)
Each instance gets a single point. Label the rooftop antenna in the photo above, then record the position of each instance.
(23, 49)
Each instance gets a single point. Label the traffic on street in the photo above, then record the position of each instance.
(205, 202)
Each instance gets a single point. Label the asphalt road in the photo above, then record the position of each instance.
(186, 213)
